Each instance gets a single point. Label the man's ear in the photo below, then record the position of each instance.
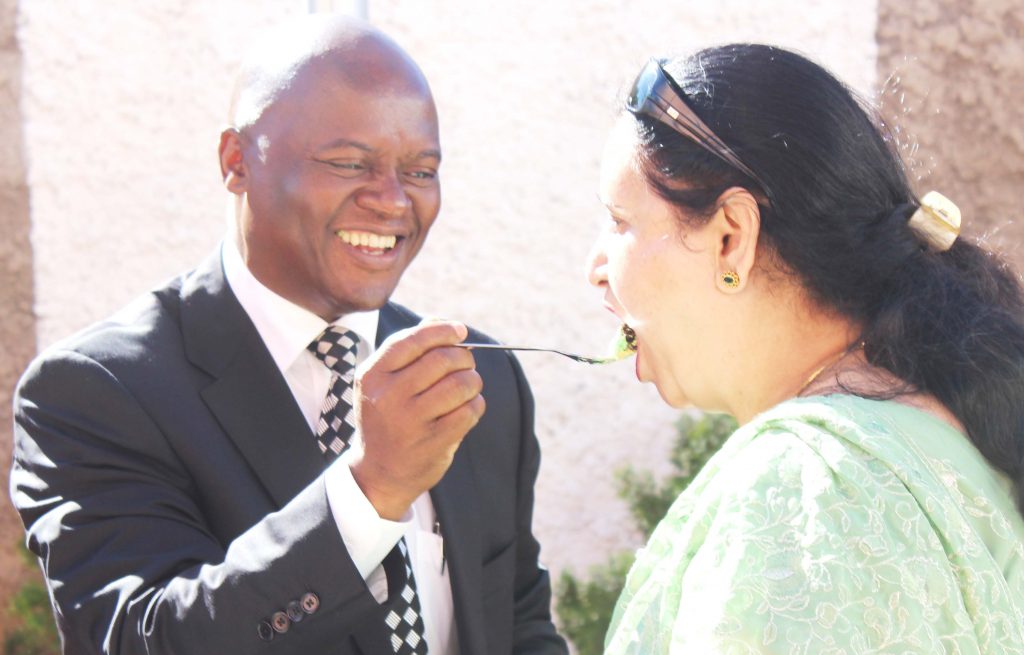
(739, 224)
(232, 161)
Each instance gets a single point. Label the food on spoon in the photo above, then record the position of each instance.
(624, 344)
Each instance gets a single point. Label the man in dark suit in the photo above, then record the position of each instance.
(265, 455)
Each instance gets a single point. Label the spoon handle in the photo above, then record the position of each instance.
(498, 346)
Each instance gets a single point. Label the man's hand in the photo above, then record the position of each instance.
(415, 400)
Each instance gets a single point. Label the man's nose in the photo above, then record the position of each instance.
(385, 195)
(597, 265)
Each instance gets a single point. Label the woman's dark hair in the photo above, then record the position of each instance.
(947, 323)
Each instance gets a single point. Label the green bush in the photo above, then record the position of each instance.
(34, 632)
(584, 606)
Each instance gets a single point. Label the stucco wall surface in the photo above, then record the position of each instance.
(123, 108)
(17, 323)
(955, 71)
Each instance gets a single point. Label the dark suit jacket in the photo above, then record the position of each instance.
(174, 494)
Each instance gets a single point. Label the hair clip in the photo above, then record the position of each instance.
(936, 221)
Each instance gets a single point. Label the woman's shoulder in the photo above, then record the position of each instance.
(830, 434)
(870, 442)
(837, 428)
(888, 463)
(804, 451)
(842, 451)
(848, 417)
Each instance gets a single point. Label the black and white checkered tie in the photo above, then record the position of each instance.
(336, 348)
(405, 620)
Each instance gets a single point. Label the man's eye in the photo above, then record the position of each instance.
(345, 167)
(422, 175)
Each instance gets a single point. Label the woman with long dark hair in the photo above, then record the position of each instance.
(765, 246)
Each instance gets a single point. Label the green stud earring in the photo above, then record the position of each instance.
(731, 279)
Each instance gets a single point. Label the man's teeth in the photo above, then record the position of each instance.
(368, 239)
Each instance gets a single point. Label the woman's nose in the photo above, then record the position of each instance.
(597, 265)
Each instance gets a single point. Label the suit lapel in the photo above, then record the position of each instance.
(248, 395)
(455, 502)
(392, 319)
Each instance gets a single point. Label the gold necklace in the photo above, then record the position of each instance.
(832, 362)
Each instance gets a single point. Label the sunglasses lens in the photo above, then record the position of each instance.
(645, 81)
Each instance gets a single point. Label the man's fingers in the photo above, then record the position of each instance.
(406, 346)
(432, 367)
(450, 393)
(462, 419)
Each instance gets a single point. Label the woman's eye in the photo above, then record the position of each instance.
(617, 224)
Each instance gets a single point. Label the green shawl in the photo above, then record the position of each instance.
(833, 525)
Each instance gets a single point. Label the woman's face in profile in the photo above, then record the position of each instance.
(657, 276)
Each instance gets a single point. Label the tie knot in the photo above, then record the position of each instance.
(336, 347)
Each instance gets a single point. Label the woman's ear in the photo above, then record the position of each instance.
(738, 225)
(232, 161)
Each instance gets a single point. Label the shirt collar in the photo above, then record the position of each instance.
(286, 328)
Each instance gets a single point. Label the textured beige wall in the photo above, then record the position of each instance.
(122, 112)
(17, 322)
(957, 94)
(123, 107)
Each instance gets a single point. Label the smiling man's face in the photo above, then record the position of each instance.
(340, 186)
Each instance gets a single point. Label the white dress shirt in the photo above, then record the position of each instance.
(287, 330)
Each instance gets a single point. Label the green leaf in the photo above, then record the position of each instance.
(35, 632)
(585, 606)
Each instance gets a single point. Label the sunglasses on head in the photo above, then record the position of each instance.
(655, 94)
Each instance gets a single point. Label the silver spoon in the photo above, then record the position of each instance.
(578, 358)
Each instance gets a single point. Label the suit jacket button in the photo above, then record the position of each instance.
(295, 612)
(310, 602)
(264, 630)
(280, 622)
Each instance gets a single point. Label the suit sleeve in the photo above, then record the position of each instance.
(131, 564)
(533, 631)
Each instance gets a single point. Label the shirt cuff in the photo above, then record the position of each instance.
(368, 538)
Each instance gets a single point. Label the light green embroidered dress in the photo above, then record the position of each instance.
(833, 525)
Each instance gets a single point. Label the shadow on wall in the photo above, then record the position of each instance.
(17, 320)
